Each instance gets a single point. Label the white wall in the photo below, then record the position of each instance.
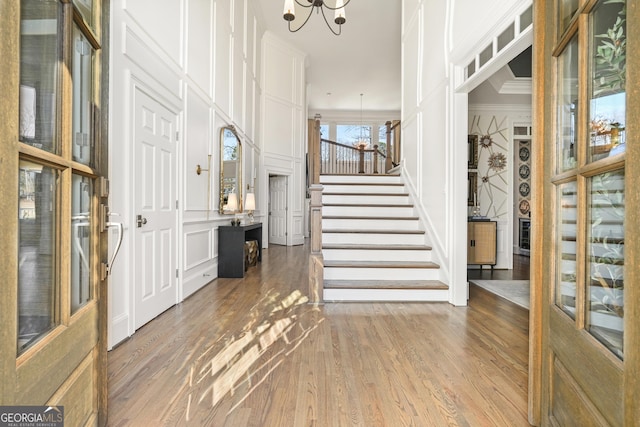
(284, 118)
(438, 41)
(200, 58)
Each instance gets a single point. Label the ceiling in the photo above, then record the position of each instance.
(510, 85)
(364, 59)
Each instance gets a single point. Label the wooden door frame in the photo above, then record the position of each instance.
(9, 85)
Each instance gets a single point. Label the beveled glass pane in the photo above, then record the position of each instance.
(37, 210)
(566, 11)
(85, 7)
(565, 289)
(38, 72)
(82, 71)
(81, 191)
(607, 106)
(605, 262)
(567, 108)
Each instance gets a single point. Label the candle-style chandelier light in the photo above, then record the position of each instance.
(339, 18)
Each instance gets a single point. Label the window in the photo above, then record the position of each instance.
(57, 165)
(590, 171)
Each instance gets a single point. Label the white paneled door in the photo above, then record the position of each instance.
(154, 221)
(278, 210)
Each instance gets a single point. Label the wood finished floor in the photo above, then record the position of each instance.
(252, 353)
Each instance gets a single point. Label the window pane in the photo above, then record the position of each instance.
(82, 100)
(37, 302)
(38, 71)
(526, 18)
(565, 292)
(353, 134)
(605, 263)
(85, 7)
(471, 68)
(81, 192)
(486, 55)
(567, 107)
(324, 131)
(567, 9)
(506, 36)
(608, 68)
(382, 138)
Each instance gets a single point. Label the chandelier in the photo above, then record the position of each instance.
(289, 13)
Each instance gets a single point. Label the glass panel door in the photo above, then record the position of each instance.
(54, 346)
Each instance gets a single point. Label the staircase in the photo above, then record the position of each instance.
(373, 245)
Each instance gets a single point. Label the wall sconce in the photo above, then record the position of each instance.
(250, 205)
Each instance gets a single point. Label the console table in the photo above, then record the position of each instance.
(231, 247)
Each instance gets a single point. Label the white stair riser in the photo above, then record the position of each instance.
(364, 179)
(403, 211)
(441, 295)
(384, 189)
(365, 199)
(369, 224)
(396, 274)
(376, 255)
(372, 239)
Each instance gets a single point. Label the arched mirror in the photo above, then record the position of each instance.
(230, 171)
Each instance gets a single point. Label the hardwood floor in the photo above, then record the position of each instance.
(251, 352)
(520, 271)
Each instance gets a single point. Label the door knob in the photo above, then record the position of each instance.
(140, 220)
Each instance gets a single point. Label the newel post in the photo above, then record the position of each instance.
(314, 149)
(388, 164)
(316, 260)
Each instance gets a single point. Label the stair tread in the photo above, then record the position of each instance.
(400, 218)
(364, 194)
(377, 247)
(382, 184)
(360, 174)
(374, 205)
(371, 231)
(380, 264)
(385, 284)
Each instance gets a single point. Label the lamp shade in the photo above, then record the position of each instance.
(232, 202)
(250, 204)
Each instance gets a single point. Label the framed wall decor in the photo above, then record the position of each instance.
(472, 188)
(472, 156)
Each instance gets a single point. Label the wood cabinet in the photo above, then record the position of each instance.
(481, 243)
(231, 256)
